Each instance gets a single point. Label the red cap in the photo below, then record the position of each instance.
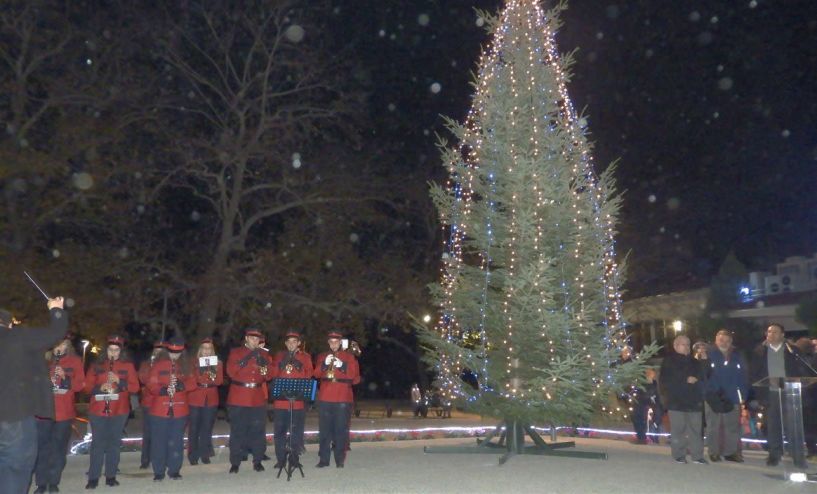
(115, 339)
(292, 334)
(253, 332)
(206, 340)
(158, 344)
(334, 335)
(175, 344)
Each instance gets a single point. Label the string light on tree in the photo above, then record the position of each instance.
(529, 286)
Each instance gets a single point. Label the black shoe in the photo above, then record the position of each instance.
(714, 458)
(737, 458)
(680, 460)
(234, 469)
(339, 465)
(245, 458)
(53, 488)
(175, 476)
(701, 461)
(321, 465)
(258, 467)
(111, 482)
(158, 478)
(92, 484)
(193, 462)
(41, 489)
(144, 466)
(279, 464)
(772, 461)
(205, 460)
(265, 458)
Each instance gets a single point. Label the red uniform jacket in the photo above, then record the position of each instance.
(159, 380)
(296, 366)
(128, 383)
(65, 388)
(144, 374)
(338, 389)
(248, 387)
(206, 392)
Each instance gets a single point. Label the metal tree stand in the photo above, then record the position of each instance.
(511, 439)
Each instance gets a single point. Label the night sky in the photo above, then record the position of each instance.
(711, 107)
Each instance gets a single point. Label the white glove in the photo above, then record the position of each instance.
(338, 363)
(328, 359)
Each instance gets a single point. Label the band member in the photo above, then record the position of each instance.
(67, 378)
(170, 380)
(204, 403)
(146, 401)
(249, 368)
(291, 363)
(337, 370)
(109, 384)
(26, 392)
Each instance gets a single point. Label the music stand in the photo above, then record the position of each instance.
(791, 417)
(292, 389)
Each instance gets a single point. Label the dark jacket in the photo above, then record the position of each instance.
(759, 368)
(679, 395)
(727, 372)
(25, 387)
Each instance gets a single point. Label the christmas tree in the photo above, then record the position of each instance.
(530, 319)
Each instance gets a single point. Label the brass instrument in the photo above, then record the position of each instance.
(330, 372)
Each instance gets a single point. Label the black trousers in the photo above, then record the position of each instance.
(774, 429)
(200, 437)
(52, 448)
(333, 425)
(145, 435)
(281, 429)
(106, 442)
(18, 454)
(167, 444)
(248, 429)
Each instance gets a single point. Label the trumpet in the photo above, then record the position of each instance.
(330, 372)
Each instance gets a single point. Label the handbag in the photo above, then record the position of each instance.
(718, 401)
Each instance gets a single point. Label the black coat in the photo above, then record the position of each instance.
(759, 368)
(25, 386)
(679, 395)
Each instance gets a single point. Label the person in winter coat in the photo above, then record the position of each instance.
(727, 386)
(682, 382)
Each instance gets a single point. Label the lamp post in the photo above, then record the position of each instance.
(677, 325)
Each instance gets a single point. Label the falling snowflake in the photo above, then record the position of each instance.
(435, 87)
(55, 253)
(83, 180)
(725, 83)
(69, 302)
(195, 215)
(695, 16)
(480, 21)
(353, 237)
(296, 160)
(652, 198)
(785, 133)
(328, 264)
(295, 33)
(423, 19)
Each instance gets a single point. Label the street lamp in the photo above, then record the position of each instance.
(427, 318)
(677, 325)
(85, 344)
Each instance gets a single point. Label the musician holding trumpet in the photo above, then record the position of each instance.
(109, 384)
(337, 371)
(249, 368)
(169, 382)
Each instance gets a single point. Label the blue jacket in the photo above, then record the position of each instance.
(729, 373)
